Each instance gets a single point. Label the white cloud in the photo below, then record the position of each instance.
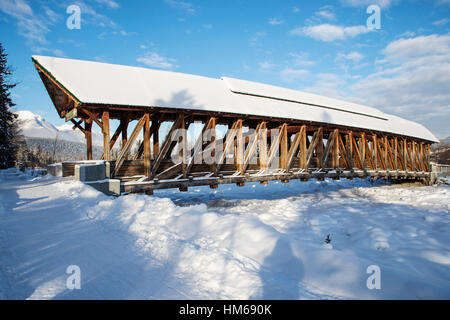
(29, 25)
(256, 37)
(441, 22)
(328, 32)
(352, 56)
(383, 4)
(55, 52)
(154, 60)
(290, 74)
(413, 81)
(301, 59)
(266, 65)
(110, 3)
(275, 21)
(186, 7)
(295, 10)
(326, 12)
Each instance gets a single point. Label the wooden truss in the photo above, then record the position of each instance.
(259, 149)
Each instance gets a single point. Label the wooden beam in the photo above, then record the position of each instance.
(113, 140)
(284, 148)
(93, 116)
(154, 132)
(274, 147)
(124, 121)
(252, 146)
(362, 149)
(127, 147)
(198, 146)
(335, 150)
(303, 150)
(88, 136)
(369, 154)
(78, 125)
(146, 142)
(332, 137)
(343, 152)
(262, 152)
(295, 145)
(229, 142)
(166, 145)
(105, 131)
(182, 140)
(356, 154)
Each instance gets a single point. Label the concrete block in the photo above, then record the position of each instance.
(90, 172)
(109, 187)
(55, 169)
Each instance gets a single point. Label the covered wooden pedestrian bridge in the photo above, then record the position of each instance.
(247, 131)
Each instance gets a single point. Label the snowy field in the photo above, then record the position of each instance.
(256, 242)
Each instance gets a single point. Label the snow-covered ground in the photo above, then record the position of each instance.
(231, 243)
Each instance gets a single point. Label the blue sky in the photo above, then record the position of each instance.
(317, 46)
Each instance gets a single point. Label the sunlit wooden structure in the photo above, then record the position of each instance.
(273, 133)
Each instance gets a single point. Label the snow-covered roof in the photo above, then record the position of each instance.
(102, 83)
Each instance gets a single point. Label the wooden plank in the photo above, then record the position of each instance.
(335, 150)
(127, 147)
(105, 131)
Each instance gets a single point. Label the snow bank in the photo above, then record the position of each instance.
(233, 243)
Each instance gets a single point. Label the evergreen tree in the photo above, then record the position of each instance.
(9, 131)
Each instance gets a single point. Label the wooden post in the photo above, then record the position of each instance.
(405, 154)
(375, 151)
(154, 131)
(396, 153)
(183, 145)
(105, 129)
(239, 150)
(146, 142)
(283, 147)
(213, 145)
(319, 149)
(335, 150)
(303, 148)
(262, 154)
(88, 135)
(124, 132)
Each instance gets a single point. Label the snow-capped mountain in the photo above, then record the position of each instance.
(35, 126)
